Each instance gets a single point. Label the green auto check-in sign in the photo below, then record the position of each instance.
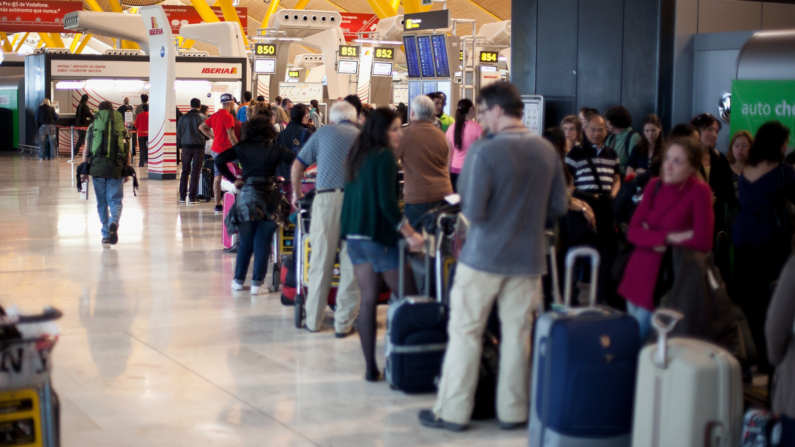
(757, 102)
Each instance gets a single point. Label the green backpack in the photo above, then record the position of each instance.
(108, 152)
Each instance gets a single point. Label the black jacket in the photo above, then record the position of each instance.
(188, 128)
(289, 138)
(720, 180)
(46, 115)
(83, 115)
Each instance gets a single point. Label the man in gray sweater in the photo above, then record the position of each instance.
(509, 185)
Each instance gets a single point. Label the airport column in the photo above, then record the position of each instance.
(162, 98)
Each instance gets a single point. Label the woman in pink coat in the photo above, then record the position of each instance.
(676, 209)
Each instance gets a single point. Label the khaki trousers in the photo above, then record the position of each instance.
(324, 235)
(471, 301)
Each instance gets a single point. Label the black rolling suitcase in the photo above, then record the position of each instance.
(205, 191)
(416, 336)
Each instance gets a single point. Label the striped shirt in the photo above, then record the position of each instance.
(605, 161)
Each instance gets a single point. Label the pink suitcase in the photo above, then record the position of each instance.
(229, 240)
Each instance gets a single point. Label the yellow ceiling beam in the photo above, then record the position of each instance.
(93, 5)
(115, 6)
(394, 4)
(230, 15)
(16, 37)
(21, 42)
(7, 47)
(56, 39)
(412, 6)
(204, 11)
(47, 40)
(75, 41)
(83, 44)
(382, 8)
(272, 8)
(301, 4)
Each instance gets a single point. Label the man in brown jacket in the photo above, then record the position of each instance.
(424, 153)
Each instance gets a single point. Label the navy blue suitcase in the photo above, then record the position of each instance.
(416, 337)
(584, 368)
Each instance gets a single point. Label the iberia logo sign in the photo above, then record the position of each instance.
(208, 70)
(155, 29)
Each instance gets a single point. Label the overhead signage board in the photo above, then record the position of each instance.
(384, 53)
(40, 17)
(187, 15)
(489, 57)
(354, 23)
(755, 102)
(91, 68)
(349, 51)
(264, 49)
(293, 74)
(430, 20)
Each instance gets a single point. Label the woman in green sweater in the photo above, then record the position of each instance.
(372, 221)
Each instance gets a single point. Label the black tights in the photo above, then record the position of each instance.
(370, 286)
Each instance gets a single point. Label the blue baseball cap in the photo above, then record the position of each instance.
(227, 97)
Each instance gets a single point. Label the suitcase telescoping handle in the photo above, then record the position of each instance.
(571, 259)
(664, 320)
(553, 266)
(49, 314)
(403, 246)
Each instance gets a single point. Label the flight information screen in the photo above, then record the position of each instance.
(412, 58)
(426, 56)
(440, 56)
(415, 89)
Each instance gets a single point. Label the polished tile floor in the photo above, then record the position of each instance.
(156, 350)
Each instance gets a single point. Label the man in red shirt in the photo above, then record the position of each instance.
(220, 126)
(142, 125)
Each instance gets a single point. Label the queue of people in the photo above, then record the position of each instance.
(641, 194)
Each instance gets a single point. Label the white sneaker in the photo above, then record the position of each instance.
(261, 290)
(236, 286)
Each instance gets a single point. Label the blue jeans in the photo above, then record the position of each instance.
(255, 238)
(364, 251)
(109, 192)
(415, 211)
(644, 319)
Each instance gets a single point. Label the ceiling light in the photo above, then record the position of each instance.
(70, 85)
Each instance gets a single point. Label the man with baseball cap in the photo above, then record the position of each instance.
(220, 126)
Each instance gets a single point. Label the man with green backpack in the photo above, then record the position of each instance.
(108, 159)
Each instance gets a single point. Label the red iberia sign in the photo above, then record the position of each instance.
(155, 29)
(35, 16)
(208, 70)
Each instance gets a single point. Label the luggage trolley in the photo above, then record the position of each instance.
(451, 231)
(29, 408)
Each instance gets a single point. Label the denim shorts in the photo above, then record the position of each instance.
(215, 168)
(364, 251)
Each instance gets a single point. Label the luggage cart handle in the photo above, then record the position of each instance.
(663, 328)
(49, 314)
(402, 248)
(571, 259)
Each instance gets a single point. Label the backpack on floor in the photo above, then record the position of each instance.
(108, 152)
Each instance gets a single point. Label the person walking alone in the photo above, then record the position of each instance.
(46, 118)
(83, 118)
(192, 151)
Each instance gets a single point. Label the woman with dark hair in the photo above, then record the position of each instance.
(259, 198)
(461, 134)
(46, 118)
(739, 147)
(649, 146)
(372, 221)
(715, 168)
(675, 210)
(762, 232)
(83, 118)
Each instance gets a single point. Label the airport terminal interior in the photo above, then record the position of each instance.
(397, 223)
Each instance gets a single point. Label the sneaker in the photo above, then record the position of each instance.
(232, 249)
(193, 202)
(343, 334)
(114, 233)
(181, 200)
(513, 425)
(219, 209)
(105, 241)
(260, 290)
(428, 419)
(236, 287)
